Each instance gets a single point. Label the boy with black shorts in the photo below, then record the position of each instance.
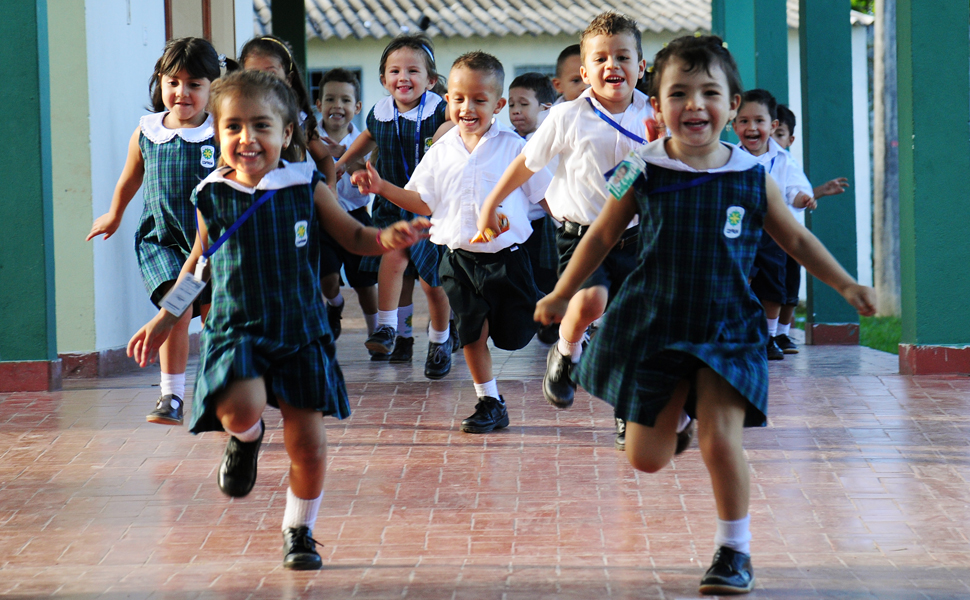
(489, 283)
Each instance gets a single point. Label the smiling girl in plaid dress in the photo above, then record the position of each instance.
(171, 151)
(685, 333)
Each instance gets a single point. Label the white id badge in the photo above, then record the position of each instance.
(625, 174)
(183, 293)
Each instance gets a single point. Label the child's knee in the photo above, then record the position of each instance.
(646, 462)
(591, 303)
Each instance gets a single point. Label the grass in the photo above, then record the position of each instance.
(880, 333)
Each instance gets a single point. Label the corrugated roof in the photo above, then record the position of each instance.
(359, 19)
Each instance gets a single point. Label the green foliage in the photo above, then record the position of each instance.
(864, 6)
(881, 333)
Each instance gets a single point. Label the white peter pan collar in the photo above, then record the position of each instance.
(655, 153)
(384, 109)
(288, 175)
(154, 129)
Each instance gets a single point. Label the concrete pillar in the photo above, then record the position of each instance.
(934, 159)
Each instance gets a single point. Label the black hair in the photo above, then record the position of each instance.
(762, 97)
(568, 51)
(610, 23)
(195, 55)
(786, 117)
(270, 45)
(418, 42)
(256, 84)
(341, 76)
(538, 83)
(698, 52)
(483, 63)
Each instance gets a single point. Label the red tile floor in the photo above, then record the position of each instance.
(860, 489)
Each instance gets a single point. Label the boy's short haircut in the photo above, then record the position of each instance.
(610, 23)
(568, 51)
(698, 52)
(341, 76)
(762, 97)
(483, 62)
(538, 83)
(786, 117)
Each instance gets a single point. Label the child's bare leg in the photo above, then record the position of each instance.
(173, 356)
(390, 282)
(651, 448)
(305, 439)
(772, 309)
(479, 359)
(240, 408)
(438, 306)
(786, 313)
(367, 297)
(490, 412)
(720, 430)
(438, 362)
(584, 308)
(330, 284)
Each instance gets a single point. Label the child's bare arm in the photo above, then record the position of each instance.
(443, 129)
(324, 161)
(362, 146)
(602, 236)
(804, 247)
(362, 240)
(129, 182)
(368, 181)
(515, 175)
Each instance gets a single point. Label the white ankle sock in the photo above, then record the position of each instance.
(784, 328)
(387, 317)
(250, 435)
(438, 337)
(734, 535)
(571, 349)
(405, 318)
(772, 327)
(300, 512)
(336, 301)
(683, 422)
(173, 383)
(489, 388)
(371, 321)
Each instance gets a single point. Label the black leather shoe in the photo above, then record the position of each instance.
(237, 473)
(786, 344)
(403, 350)
(438, 363)
(453, 336)
(489, 414)
(378, 356)
(548, 334)
(774, 352)
(168, 411)
(684, 438)
(620, 441)
(299, 550)
(730, 573)
(382, 340)
(333, 318)
(557, 383)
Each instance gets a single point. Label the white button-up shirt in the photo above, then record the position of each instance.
(348, 195)
(454, 183)
(786, 172)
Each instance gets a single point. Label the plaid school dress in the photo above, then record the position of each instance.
(390, 164)
(268, 318)
(688, 294)
(176, 160)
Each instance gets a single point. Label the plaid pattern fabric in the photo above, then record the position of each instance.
(268, 317)
(167, 228)
(425, 256)
(548, 255)
(688, 293)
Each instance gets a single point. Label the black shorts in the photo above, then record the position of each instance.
(614, 269)
(495, 286)
(333, 255)
(793, 281)
(768, 273)
(205, 297)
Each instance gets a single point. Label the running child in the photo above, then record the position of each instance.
(685, 332)
(338, 103)
(401, 127)
(569, 81)
(266, 340)
(273, 55)
(170, 152)
(489, 283)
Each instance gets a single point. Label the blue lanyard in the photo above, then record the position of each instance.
(232, 228)
(614, 124)
(417, 135)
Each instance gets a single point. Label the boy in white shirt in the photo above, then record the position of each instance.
(590, 136)
(489, 283)
(569, 82)
(339, 101)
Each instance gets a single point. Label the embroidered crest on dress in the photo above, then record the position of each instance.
(208, 157)
(301, 233)
(732, 226)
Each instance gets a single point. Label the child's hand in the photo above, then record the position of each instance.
(803, 200)
(655, 129)
(551, 309)
(403, 233)
(144, 345)
(336, 150)
(488, 222)
(862, 298)
(367, 180)
(832, 188)
(106, 224)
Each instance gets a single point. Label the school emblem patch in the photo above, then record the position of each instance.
(427, 143)
(301, 233)
(208, 157)
(732, 226)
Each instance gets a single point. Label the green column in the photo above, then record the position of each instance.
(289, 23)
(934, 161)
(826, 67)
(771, 48)
(734, 21)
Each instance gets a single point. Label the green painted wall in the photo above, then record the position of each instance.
(771, 48)
(71, 176)
(734, 21)
(826, 57)
(934, 160)
(27, 329)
